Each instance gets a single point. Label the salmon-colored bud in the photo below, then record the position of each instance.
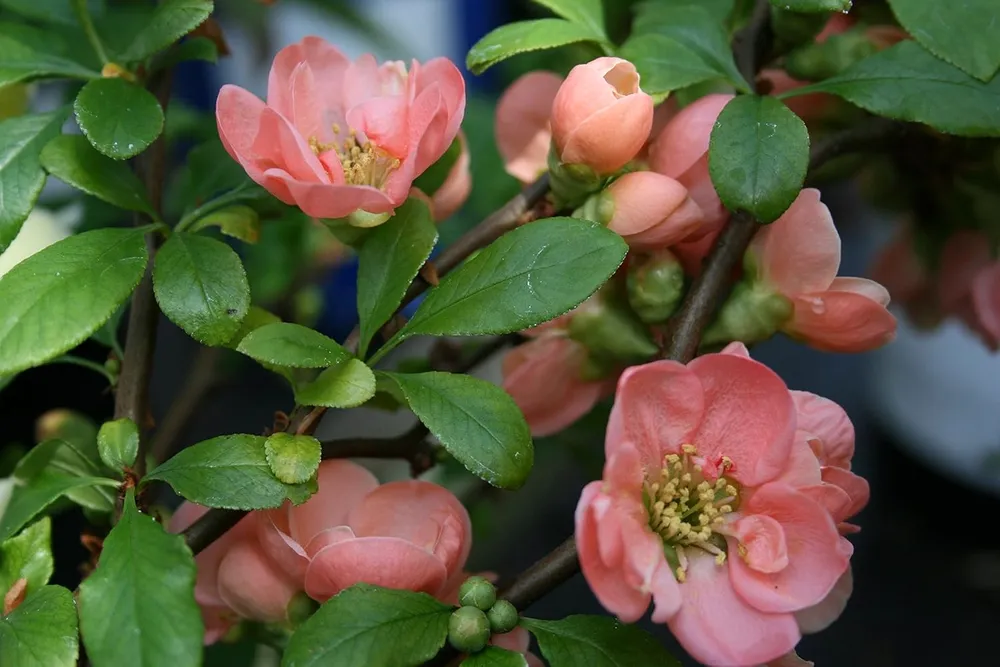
(522, 124)
(456, 187)
(600, 117)
(252, 587)
(652, 210)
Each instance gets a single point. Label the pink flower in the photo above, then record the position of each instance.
(798, 256)
(456, 187)
(522, 126)
(810, 108)
(681, 152)
(336, 137)
(600, 116)
(697, 512)
(410, 535)
(652, 211)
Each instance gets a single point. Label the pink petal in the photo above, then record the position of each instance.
(517, 640)
(826, 421)
(425, 514)
(833, 499)
(657, 408)
(307, 113)
(320, 200)
(428, 124)
(800, 251)
(238, 116)
(815, 559)
(325, 538)
(790, 659)
(456, 188)
(899, 268)
(327, 65)
(443, 73)
(749, 417)
(964, 255)
(543, 378)
(609, 138)
(207, 587)
(862, 286)
(718, 628)
(737, 348)
(276, 542)
(702, 192)
(389, 562)
(841, 322)
(684, 140)
(854, 486)
(342, 485)
(251, 587)
(819, 617)
(643, 199)
(686, 222)
(522, 124)
(762, 543)
(362, 81)
(986, 303)
(385, 122)
(802, 468)
(278, 143)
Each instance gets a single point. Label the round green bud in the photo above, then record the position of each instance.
(655, 285)
(503, 617)
(300, 608)
(477, 592)
(468, 630)
(113, 366)
(610, 331)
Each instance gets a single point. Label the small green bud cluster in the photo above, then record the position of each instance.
(479, 616)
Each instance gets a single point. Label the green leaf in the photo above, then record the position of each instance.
(589, 13)
(365, 625)
(666, 64)
(597, 641)
(758, 156)
(229, 471)
(255, 319)
(71, 158)
(293, 459)
(36, 460)
(27, 556)
(808, 6)
(527, 276)
(389, 260)
(118, 443)
(962, 33)
(172, 20)
(494, 656)
(293, 345)
(41, 631)
(522, 36)
(431, 180)
(29, 499)
(698, 31)
(202, 287)
(906, 82)
(55, 299)
(347, 385)
(21, 174)
(138, 607)
(22, 63)
(51, 11)
(476, 421)
(120, 119)
(240, 222)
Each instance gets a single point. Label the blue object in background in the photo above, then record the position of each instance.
(478, 17)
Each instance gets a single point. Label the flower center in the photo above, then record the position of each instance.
(686, 510)
(363, 162)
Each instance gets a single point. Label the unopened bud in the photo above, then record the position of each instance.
(822, 60)
(116, 71)
(650, 210)
(300, 608)
(477, 592)
(503, 617)
(113, 366)
(655, 286)
(571, 184)
(468, 630)
(750, 314)
(68, 425)
(610, 331)
(599, 207)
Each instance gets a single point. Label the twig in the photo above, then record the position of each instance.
(411, 446)
(869, 135)
(201, 379)
(752, 45)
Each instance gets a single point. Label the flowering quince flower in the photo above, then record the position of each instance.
(797, 256)
(456, 187)
(523, 124)
(652, 211)
(600, 116)
(337, 136)
(707, 510)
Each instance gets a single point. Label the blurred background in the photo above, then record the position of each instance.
(926, 409)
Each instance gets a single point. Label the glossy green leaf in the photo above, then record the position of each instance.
(588, 13)
(27, 556)
(229, 471)
(71, 158)
(476, 421)
(239, 221)
(202, 287)
(21, 62)
(27, 500)
(388, 261)
(36, 460)
(138, 607)
(960, 32)
(906, 82)
(293, 458)
(41, 631)
(78, 457)
(365, 625)
(255, 319)
(55, 299)
(808, 6)
(758, 156)
(118, 443)
(293, 345)
(597, 641)
(527, 276)
(666, 64)
(347, 385)
(50, 11)
(121, 119)
(172, 20)
(522, 36)
(21, 174)
(494, 656)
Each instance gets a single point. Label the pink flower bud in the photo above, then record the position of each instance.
(652, 210)
(456, 187)
(600, 117)
(522, 124)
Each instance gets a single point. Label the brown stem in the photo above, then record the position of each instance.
(202, 378)
(411, 446)
(752, 44)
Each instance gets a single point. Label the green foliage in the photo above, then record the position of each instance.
(906, 82)
(388, 261)
(293, 459)
(494, 656)
(238, 221)
(589, 13)
(522, 36)
(758, 156)
(23, 63)
(292, 345)
(21, 174)
(367, 625)
(202, 287)
(30, 498)
(171, 20)
(41, 631)
(71, 158)
(597, 641)
(118, 443)
(806, 6)
(476, 421)
(962, 33)
(666, 64)
(347, 384)
(121, 119)
(138, 606)
(27, 556)
(230, 471)
(56, 298)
